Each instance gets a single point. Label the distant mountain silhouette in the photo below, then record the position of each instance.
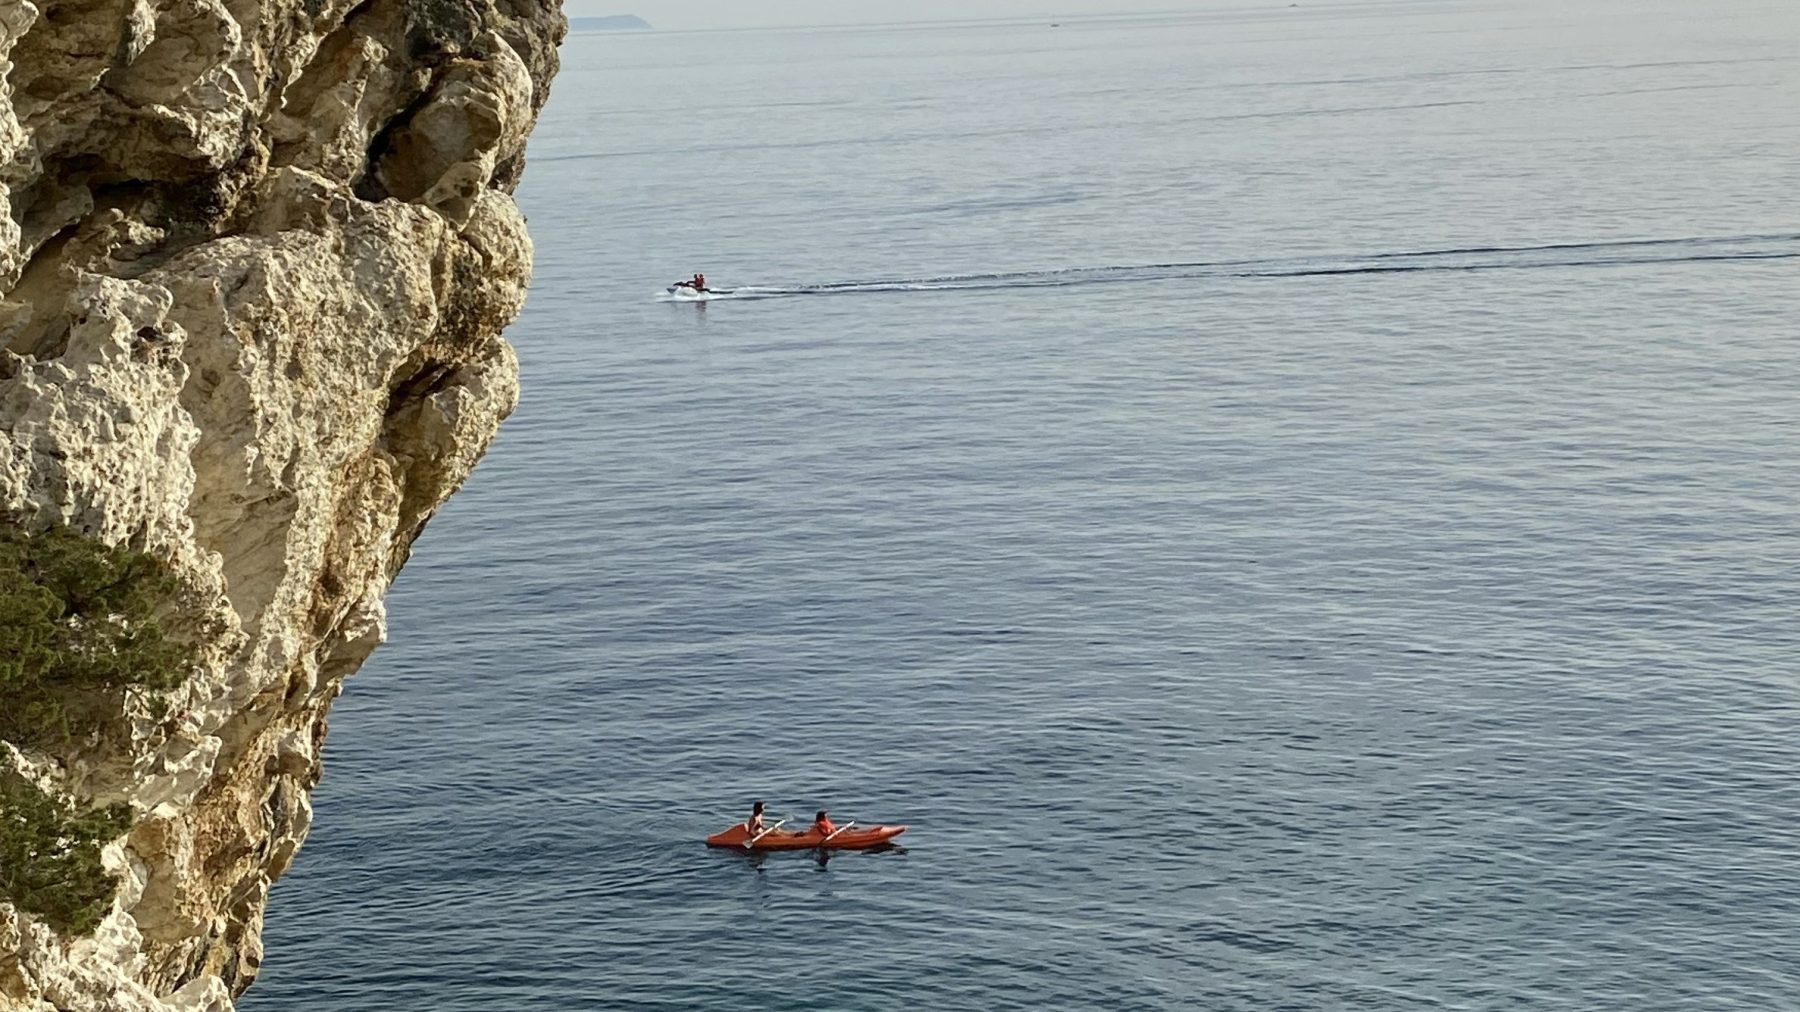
(611, 23)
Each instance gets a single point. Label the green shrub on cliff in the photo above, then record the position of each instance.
(82, 623)
(50, 855)
(79, 626)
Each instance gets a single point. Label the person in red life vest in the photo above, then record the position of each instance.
(822, 825)
(698, 283)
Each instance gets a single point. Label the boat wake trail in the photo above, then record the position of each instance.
(1615, 253)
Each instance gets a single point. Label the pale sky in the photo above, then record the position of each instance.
(752, 13)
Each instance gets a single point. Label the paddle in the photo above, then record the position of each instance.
(836, 831)
(764, 833)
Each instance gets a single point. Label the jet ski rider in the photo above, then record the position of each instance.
(698, 284)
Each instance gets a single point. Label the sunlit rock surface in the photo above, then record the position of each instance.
(255, 261)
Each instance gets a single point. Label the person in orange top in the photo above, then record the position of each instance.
(822, 825)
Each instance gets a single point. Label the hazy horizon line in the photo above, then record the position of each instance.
(1010, 19)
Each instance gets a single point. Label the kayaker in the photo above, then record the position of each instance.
(822, 824)
(754, 824)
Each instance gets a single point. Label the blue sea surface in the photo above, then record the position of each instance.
(1295, 507)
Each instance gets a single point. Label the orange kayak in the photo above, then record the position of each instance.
(854, 838)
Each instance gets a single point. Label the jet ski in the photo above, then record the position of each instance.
(693, 287)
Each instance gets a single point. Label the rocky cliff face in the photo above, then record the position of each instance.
(255, 259)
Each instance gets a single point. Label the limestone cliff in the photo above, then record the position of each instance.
(255, 259)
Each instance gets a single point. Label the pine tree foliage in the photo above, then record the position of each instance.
(50, 855)
(81, 623)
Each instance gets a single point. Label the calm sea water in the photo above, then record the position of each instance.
(1298, 508)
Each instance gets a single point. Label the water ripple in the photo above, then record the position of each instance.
(1376, 591)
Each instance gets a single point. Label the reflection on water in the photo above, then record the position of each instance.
(756, 859)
